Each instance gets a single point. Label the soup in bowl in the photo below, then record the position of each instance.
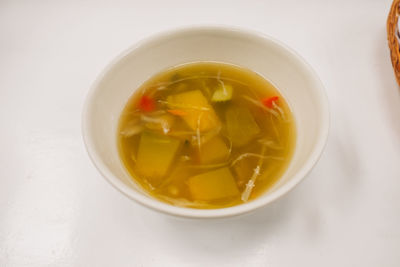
(206, 122)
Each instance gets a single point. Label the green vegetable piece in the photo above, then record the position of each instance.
(213, 185)
(223, 93)
(155, 155)
(215, 150)
(241, 126)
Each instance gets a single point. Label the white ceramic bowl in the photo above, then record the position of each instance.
(275, 61)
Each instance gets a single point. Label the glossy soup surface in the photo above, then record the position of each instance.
(206, 135)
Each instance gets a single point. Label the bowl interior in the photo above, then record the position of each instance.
(290, 74)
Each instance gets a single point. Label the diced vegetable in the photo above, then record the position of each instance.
(241, 126)
(215, 150)
(199, 113)
(155, 154)
(223, 93)
(213, 185)
(147, 103)
(269, 101)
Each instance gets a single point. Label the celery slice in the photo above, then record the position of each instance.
(222, 93)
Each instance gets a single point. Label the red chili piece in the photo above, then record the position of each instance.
(268, 102)
(146, 103)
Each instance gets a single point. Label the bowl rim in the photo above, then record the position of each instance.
(169, 209)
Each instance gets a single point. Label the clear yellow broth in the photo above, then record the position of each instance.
(206, 135)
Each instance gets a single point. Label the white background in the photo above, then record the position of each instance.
(56, 209)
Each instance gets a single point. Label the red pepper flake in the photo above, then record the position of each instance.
(146, 103)
(268, 102)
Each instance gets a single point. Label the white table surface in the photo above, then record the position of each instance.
(56, 209)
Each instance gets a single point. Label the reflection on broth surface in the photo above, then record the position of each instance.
(206, 135)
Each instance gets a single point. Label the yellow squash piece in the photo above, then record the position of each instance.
(198, 113)
(155, 155)
(213, 151)
(213, 185)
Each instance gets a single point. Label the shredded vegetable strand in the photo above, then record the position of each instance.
(230, 146)
(177, 112)
(183, 106)
(278, 136)
(181, 133)
(149, 184)
(270, 144)
(198, 130)
(246, 155)
(259, 104)
(167, 84)
(252, 182)
(184, 158)
(280, 110)
(132, 130)
(221, 82)
(183, 202)
(207, 136)
(156, 113)
(209, 166)
(231, 80)
(164, 124)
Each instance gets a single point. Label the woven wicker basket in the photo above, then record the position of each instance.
(394, 37)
